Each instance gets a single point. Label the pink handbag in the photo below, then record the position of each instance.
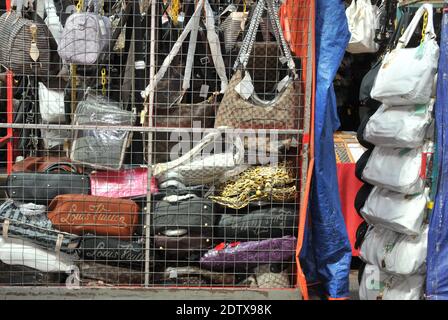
(126, 183)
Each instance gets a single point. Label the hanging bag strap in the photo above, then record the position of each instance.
(192, 28)
(429, 32)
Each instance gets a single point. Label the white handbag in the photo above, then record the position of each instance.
(380, 285)
(51, 105)
(398, 169)
(20, 252)
(402, 127)
(406, 75)
(395, 211)
(362, 18)
(192, 169)
(394, 252)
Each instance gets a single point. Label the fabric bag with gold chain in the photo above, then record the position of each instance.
(241, 107)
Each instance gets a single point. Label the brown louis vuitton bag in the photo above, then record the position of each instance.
(79, 214)
(241, 107)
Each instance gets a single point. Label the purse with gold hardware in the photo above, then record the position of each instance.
(260, 183)
(24, 45)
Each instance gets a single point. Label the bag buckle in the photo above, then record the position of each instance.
(204, 60)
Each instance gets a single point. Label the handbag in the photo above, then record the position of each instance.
(183, 225)
(112, 251)
(101, 149)
(250, 253)
(14, 275)
(363, 20)
(85, 37)
(395, 253)
(273, 221)
(110, 274)
(240, 106)
(260, 183)
(80, 214)
(397, 169)
(24, 45)
(397, 83)
(45, 164)
(395, 211)
(379, 285)
(43, 187)
(264, 277)
(23, 253)
(174, 273)
(35, 227)
(191, 169)
(401, 127)
(125, 183)
(51, 105)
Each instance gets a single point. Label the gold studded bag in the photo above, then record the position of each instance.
(271, 183)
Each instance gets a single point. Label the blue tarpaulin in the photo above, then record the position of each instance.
(327, 252)
(437, 260)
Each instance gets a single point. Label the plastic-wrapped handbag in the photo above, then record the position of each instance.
(193, 169)
(240, 106)
(379, 285)
(101, 149)
(395, 211)
(363, 19)
(85, 37)
(394, 252)
(406, 75)
(398, 169)
(51, 105)
(402, 127)
(251, 253)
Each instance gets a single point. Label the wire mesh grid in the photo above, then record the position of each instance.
(153, 144)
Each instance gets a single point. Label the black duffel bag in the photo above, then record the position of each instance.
(112, 251)
(263, 223)
(183, 226)
(41, 188)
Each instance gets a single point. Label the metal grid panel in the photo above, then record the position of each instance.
(106, 210)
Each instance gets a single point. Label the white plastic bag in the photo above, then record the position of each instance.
(380, 285)
(406, 75)
(395, 211)
(395, 253)
(362, 19)
(402, 127)
(397, 169)
(51, 105)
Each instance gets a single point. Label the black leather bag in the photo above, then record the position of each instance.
(39, 230)
(361, 164)
(263, 223)
(183, 228)
(110, 274)
(41, 188)
(361, 197)
(15, 275)
(112, 251)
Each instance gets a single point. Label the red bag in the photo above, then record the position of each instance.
(79, 214)
(127, 183)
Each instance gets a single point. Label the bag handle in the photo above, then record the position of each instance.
(213, 41)
(249, 39)
(407, 35)
(161, 168)
(61, 166)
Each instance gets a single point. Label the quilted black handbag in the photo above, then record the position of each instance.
(263, 223)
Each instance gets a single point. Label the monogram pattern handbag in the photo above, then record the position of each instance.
(241, 107)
